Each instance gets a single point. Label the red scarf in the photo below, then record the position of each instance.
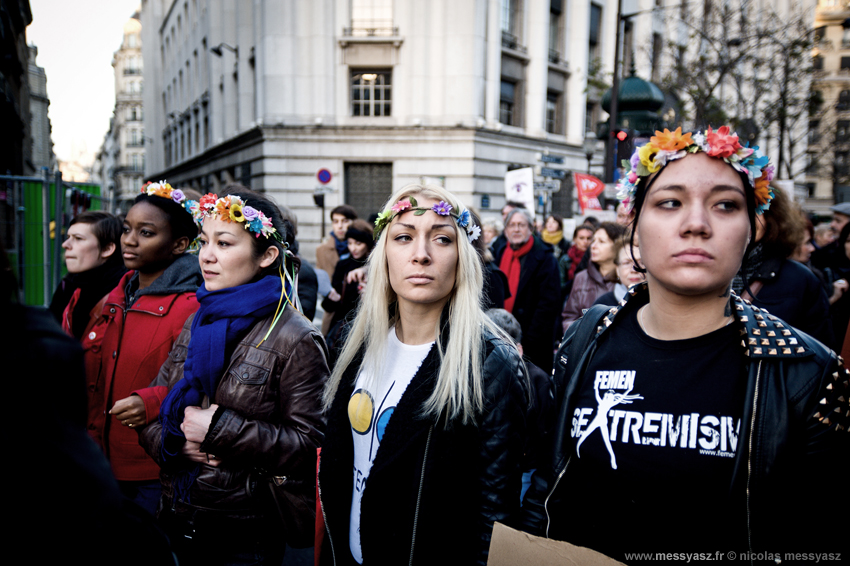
(576, 256)
(510, 267)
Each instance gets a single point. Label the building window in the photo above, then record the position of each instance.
(371, 18)
(842, 164)
(817, 63)
(590, 117)
(845, 62)
(553, 113)
(133, 40)
(371, 93)
(206, 128)
(842, 131)
(595, 33)
(555, 31)
(511, 23)
(814, 133)
(845, 38)
(508, 111)
(657, 47)
(843, 100)
(368, 186)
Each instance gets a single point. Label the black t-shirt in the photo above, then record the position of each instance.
(655, 429)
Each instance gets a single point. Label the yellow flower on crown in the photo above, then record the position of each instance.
(646, 154)
(671, 141)
(236, 212)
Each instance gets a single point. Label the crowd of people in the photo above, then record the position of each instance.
(666, 381)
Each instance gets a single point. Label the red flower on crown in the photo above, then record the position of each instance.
(721, 143)
(208, 201)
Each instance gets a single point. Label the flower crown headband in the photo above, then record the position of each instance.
(463, 219)
(668, 146)
(231, 208)
(163, 190)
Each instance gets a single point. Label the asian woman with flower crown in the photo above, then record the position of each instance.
(427, 402)
(243, 415)
(129, 339)
(691, 420)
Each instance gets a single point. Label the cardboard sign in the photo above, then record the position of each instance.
(510, 547)
(588, 188)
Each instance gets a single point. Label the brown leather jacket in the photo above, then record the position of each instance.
(269, 421)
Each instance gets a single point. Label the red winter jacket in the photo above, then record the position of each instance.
(124, 349)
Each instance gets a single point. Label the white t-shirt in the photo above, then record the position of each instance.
(370, 411)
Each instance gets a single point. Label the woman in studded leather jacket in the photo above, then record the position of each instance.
(690, 420)
(426, 407)
(244, 405)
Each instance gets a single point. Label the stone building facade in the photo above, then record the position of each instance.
(828, 171)
(41, 154)
(120, 162)
(379, 92)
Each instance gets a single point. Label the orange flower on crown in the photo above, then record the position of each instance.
(762, 189)
(222, 208)
(721, 143)
(671, 141)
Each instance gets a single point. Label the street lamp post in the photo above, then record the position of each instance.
(612, 114)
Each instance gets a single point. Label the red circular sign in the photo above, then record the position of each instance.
(324, 176)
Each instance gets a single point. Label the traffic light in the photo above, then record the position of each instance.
(623, 135)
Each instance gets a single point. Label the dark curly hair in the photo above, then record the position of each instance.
(784, 226)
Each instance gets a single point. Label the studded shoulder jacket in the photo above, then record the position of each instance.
(786, 483)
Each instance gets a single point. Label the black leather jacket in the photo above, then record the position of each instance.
(795, 417)
(269, 420)
(435, 488)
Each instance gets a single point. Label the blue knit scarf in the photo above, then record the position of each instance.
(221, 320)
(341, 247)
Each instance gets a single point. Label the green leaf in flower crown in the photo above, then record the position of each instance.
(625, 164)
(642, 171)
(413, 202)
(420, 212)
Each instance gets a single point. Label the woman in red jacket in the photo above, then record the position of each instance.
(132, 336)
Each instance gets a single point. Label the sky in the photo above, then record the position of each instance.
(76, 40)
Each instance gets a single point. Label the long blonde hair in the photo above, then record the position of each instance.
(459, 389)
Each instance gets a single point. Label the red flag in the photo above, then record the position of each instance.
(588, 188)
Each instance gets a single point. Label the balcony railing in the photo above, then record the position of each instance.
(511, 41)
(135, 143)
(370, 28)
(132, 71)
(555, 57)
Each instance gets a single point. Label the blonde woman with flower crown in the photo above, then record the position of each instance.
(427, 403)
(690, 420)
(237, 434)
